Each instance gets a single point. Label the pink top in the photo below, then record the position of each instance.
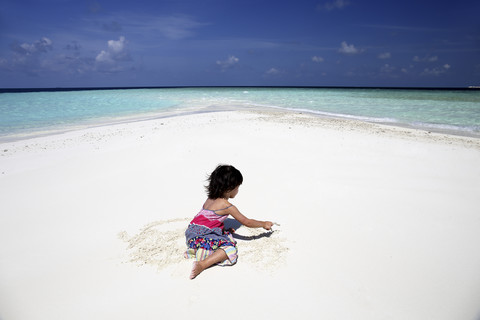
(210, 219)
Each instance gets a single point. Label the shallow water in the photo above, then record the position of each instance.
(28, 113)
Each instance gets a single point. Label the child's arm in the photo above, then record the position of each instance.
(251, 223)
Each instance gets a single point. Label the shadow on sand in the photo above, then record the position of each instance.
(234, 224)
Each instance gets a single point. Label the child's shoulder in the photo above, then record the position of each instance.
(219, 204)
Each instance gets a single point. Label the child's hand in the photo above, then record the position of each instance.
(267, 225)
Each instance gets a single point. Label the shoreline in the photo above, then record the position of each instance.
(422, 127)
(179, 112)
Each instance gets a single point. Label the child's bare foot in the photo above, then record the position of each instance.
(196, 270)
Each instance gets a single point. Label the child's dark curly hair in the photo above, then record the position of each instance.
(223, 179)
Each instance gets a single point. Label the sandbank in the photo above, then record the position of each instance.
(376, 222)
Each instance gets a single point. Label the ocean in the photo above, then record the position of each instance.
(27, 114)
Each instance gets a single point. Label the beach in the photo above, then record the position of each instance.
(375, 221)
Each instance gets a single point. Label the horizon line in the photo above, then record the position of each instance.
(54, 89)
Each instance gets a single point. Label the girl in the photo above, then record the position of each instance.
(207, 241)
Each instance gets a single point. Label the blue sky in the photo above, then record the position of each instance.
(63, 43)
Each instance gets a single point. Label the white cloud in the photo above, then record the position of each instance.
(385, 55)
(116, 51)
(37, 58)
(436, 71)
(117, 46)
(109, 60)
(104, 56)
(42, 45)
(336, 4)
(425, 59)
(272, 71)
(229, 63)
(28, 58)
(317, 59)
(348, 49)
(387, 68)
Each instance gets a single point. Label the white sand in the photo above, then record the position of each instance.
(376, 222)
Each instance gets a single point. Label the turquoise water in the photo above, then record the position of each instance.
(28, 113)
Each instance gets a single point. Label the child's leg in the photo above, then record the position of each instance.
(198, 266)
